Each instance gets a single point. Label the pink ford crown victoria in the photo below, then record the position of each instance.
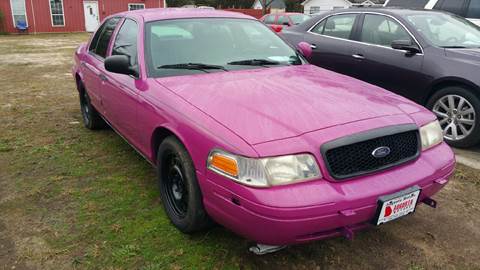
(244, 132)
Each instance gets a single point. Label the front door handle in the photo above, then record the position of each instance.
(313, 46)
(358, 56)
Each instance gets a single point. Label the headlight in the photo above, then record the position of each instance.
(264, 172)
(431, 135)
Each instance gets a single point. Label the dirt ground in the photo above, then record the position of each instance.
(76, 199)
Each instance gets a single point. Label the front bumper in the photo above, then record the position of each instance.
(318, 209)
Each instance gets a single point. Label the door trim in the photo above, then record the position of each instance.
(364, 43)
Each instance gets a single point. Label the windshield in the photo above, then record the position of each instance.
(445, 30)
(299, 18)
(204, 45)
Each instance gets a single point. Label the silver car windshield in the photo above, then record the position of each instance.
(445, 30)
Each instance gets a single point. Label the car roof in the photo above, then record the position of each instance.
(387, 10)
(288, 13)
(155, 14)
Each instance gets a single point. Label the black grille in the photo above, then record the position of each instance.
(349, 157)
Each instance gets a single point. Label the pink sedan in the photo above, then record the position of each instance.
(244, 132)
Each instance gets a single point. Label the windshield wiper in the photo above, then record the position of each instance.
(254, 62)
(193, 66)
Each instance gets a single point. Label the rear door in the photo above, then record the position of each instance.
(331, 42)
(379, 64)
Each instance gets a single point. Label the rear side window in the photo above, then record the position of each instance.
(100, 41)
(339, 26)
(473, 10)
(126, 41)
(381, 30)
(453, 6)
(270, 19)
(407, 3)
(283, 20)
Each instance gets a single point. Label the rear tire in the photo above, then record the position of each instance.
(179, 189)
(458, 111)
(91, 118)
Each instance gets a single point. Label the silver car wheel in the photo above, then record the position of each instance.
(456, 116)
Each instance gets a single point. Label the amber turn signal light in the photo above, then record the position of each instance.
(224, 164)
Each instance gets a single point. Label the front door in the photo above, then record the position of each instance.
(378, 63)
(92, 19)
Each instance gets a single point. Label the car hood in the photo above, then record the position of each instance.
(268, 104)
(466, 55)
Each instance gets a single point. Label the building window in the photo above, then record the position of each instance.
(56, 10)
(19, 13)
(314, 10)
(136, 6)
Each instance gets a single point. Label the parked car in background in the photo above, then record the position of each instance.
(251, 135)
(431, 57)
(279, 21)
(469, 9)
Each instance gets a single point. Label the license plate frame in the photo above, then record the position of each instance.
(394, 200)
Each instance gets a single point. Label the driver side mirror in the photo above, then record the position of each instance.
(305, 49)
(406, 45)
(119, 64)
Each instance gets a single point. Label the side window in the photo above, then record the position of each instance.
(100, 41)
(319, 28)
(314, 10)
(473, 10)
(94, 42)
(126, 41)
(270, 19)
(453, 6)
(283, 20)
(339, 26)
(381, 30)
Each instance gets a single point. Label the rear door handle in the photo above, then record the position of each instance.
(313, 46)
(358, 56)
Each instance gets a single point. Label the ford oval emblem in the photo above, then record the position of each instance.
(381, 152)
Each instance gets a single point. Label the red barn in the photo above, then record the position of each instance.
(64, 15)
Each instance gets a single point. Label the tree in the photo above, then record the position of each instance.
(179, 3)
(265, 4)
(294, 6)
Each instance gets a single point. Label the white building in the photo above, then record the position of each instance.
(320, 6)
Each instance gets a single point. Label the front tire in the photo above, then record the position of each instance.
(179, 189)
(458, 111)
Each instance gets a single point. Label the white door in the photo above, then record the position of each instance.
(92, 19)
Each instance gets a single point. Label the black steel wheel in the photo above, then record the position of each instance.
(175, 186)
(179, 189)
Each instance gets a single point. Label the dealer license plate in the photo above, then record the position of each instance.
(397, 205)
